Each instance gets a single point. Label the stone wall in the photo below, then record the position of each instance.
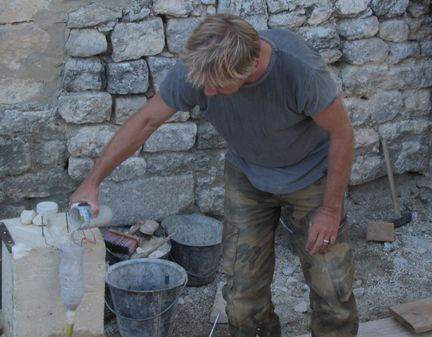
(73, 71)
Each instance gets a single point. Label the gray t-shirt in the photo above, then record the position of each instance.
(267, 124)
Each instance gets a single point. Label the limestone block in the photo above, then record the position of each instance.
(395, 131)
(417, 102)
(21, 10)
(386, 106)
(417, 9)
(172, 137)
(82, 74)
(82, 108)
(409, 76)
(394, 30)
(389, 8)
(351, 7)
(137, 11)
(208, 137)
(244, 8)
(291, 20)
(360, 28)
(330, 56)
(49, 153)
(159, 68)
(86, 42)
(311, 3)
(178, 31)
(363, 80)
(92, 15)
(14, 156)
(259, 22)
(426, 48)
(31, 301)
(148, 198)
(321, 37)
(211, 200)
(320, 15)
(402, 51)
(133, 40)
(128, 77)
(16, 121)
(180, 8)
(365, 50)
(277, 6)
(171, 163)
(413, 157)
(208, 2)
(367, 138)
(179, 116)
(126, 106)
(358, 110)
(90, 141)
(40, 184)
(366, 168)
(131, 168)
(79, 167)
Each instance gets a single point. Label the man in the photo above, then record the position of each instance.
(290, 143)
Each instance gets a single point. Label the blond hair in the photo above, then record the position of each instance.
(222, 49)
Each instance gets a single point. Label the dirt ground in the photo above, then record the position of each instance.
(386, 273)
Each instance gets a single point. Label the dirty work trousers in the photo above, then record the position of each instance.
(251, 217)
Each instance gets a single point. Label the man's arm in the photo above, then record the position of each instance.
(325, 221)
(132, 134)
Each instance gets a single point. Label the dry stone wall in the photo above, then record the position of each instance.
(112, 56)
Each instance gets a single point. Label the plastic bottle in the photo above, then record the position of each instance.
(80, 216)
(71, 274)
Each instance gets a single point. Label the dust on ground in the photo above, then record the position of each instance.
(387, 274)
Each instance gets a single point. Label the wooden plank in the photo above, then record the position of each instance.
(380, 231)
(386, 327)
(416, 316)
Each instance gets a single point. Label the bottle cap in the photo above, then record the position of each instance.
(46, 207)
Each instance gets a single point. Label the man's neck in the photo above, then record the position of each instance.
(263, 62)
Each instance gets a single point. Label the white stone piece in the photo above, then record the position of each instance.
(172, 137)
(351, 7)
(27, 216)
(31, 301)
(37, 220)
(86, 42)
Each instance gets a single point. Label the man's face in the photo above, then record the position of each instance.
(227, 90)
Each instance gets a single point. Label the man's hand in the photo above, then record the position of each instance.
(323, 229)
(87, 193)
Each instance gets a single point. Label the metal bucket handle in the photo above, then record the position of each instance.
(149, 318)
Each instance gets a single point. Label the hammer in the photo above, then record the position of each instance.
(406, 217)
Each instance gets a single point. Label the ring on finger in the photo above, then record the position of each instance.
(326, 242)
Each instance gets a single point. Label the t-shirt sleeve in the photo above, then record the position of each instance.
(176, 91)
(319, 92)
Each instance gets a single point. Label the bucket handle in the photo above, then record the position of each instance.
(149, 318)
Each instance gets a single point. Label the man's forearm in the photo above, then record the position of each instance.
(339, 169)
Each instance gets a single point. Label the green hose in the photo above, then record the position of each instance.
(69, 330)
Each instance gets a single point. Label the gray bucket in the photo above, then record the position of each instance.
(144, 294)
(196, 245)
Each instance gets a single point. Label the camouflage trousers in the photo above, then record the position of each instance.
(251, 218)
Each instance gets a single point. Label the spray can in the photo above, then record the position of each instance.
(80, 216)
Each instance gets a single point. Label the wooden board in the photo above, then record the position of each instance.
(380, 231)
(416, 316)
(386, 327)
